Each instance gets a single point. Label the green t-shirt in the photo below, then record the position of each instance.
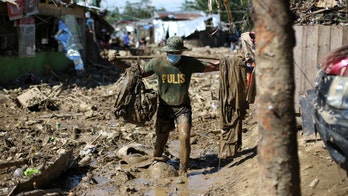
(174, 80)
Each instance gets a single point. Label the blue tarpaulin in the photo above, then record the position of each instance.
(65, 38)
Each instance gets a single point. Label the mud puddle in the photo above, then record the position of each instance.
(197, 184)
(71, 178)
(125, 177)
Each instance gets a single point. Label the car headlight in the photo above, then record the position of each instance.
(338, 93)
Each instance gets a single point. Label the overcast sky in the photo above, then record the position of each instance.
(169, 5)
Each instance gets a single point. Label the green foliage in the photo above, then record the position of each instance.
(139, 10)
(133, 11)
(113, 15)
(241, 11)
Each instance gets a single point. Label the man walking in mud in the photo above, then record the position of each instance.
(173, 72)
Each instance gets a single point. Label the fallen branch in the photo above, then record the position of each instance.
(51, 192)
(55, 92)
(60, 115)
(305, 17)
(98, 65)
(96, 139)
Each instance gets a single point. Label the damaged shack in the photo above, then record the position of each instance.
(43, 37)
(207, 30)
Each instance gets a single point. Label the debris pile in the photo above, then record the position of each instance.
(65, 127)
(322, 12)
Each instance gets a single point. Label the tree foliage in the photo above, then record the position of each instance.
(142, 9)
(133, 11)
(241, 11)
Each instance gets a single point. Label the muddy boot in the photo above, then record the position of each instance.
(180, 180)
(183, 170)
(161, 140)
(185, 148)
(162, 158)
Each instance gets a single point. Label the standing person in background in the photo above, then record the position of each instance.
(104, 40)
(89, 22)
(248, 49)
(174, 72)
(132, 39)
(126, 40)
(142, 42)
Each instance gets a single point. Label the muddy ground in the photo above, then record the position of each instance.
(72, 137)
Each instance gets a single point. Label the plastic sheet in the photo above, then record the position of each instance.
(68, 43)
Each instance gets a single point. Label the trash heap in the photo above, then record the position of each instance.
(320, 12)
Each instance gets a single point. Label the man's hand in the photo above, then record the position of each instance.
(212, 66)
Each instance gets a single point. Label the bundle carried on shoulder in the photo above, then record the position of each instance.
(134, 102)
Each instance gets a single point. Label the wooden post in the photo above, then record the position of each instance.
(277, 148)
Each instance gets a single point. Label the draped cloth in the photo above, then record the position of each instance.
(134, 102)
(232, 104)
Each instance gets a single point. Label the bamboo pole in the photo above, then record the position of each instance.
(150, 57)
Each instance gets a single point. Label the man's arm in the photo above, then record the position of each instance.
(145, 74)
(212, 66)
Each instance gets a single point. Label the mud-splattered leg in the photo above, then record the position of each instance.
(184, 128)
(161, 140)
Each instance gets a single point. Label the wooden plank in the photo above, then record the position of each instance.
(298, 47)
(312, 44)
(303, 60)
(52, 10)
(336, 37)
(345, 35)
(297, 52)
(46, 177)
(311, 57)
(150, 57)
(324, 43)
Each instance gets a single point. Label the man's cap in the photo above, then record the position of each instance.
(174, 44)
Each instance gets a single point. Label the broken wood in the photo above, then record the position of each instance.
(51, 192)
(55, 91)
(5, 164)
(95, 139)
(46, 177)
(311, 14)
(61, 115)
(31, 98)
(97, 64)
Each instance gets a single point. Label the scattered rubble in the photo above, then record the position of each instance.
(73, 144)
(322, 12)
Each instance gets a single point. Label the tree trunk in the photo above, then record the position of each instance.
(277, 148)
